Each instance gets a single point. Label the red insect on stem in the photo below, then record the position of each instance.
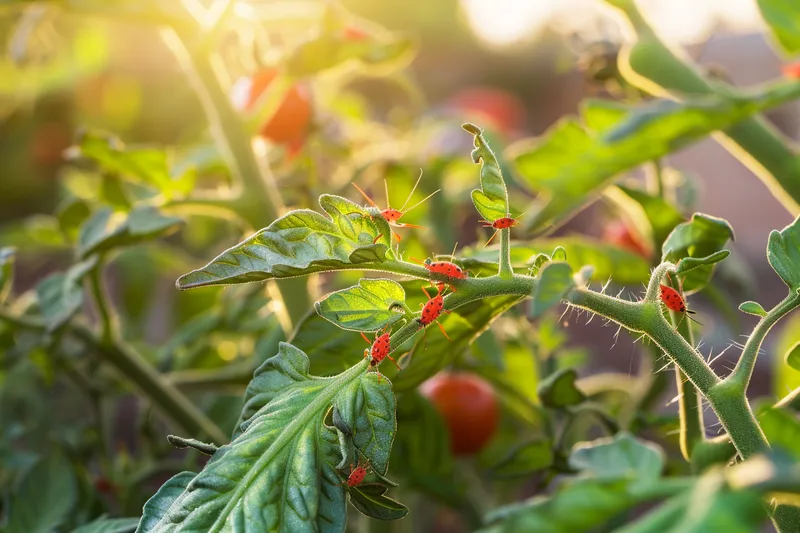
(500, 223)
(431, 311)
(675, 302)
(392, 216)
(379, 349)
(357, 474)
(443, 268)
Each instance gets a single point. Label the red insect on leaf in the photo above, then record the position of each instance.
(357, 474)
(431, 311)
(393, 216)
(500, 223)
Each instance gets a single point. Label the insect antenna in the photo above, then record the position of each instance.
(365, 195)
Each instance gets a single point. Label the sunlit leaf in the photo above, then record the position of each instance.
(687, 264)
(783, 254)
(107, 229)
(620, 456)
(7, 257)
(555, 281)
(491, 200)
(781, 428)
(301, 242)
(282, 469)
(783, 18)
(663, 216)
(569, 166)
(61, 295)
(753, 308)
(558, 390)
(371, 305)
(793, 357)
(109, 525)
(702, 238)
(45, 499)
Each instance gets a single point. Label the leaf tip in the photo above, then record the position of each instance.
(472, 128)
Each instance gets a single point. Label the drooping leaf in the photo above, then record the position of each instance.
(8, 255)
(462, 326)
(618, 457)
(107, 229)
(609, 261)
(687, 264)
(109, 525)
(60, 295)
(555, 281)
(526, 459)
(783, 18)
(570, 165)
(491, 200)
(375, 504)
(701, 237)
(558, 390)
(157, 508)
(369, 306)
(783, 254)
(753, 308)
(45, 498)
(281, 469)
(301, 242)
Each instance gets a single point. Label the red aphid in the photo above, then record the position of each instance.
(431, 311)
(674, 301)
(357, 474)
(392, 216)
(379, 350)
(500, 223)
(444, 268)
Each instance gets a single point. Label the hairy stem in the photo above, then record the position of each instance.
(506, 272)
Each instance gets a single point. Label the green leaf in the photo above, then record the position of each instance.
(781, 428)
(463, 326)
(687, 264)
(109, 525)
(108, 229)
(375, 505)
(622, 456)
(754, 308)
(330, 348)
(793, 357)
(8, 256)
(157, 507)
(558, 390)
(702, 238)
(569, 165)
(783, 254)
(45, 499)
(491, 200)
(301, 242)
(662, 216)
(370, 306)
(281, 470)
(783, 17)
(526, 459)
(61, 295)
(555, 281)
(71, 214)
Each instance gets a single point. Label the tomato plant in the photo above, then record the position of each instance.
(246, 399)
(469, 408)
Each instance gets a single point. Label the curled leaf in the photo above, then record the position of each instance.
(491, 200)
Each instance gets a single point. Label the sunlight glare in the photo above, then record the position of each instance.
(506, 22)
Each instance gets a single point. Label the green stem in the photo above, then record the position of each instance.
(258, 200)
(790, 401)
(100, 299)
(505, 271)
(743, 372)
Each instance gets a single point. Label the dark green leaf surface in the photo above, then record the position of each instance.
(558, 390)
(299, 243)
(526, 459)
(330, 348)
(783, 17)
(570, 165)
(61, 295)
(280, 472)
(783, 254)
(753, 308)
(107, 229)
(8, 255)
(45, 499)
(687, 264)
(702, 238)
(369, 306)
(157, 508)
(109, 525)
(491, 200)
(619, 457)
(376, 505)
(555, 281)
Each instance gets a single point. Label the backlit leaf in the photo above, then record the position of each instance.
(783, 253)
(369, 306)
(620, 456)
(783, 17)
(299, 243)
(555, 281)
(107, 229)
(491, 200)
(702, 238)
(793, 357)
(753, 308)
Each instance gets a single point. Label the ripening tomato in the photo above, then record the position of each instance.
(469, 407)
(792, 70)
(290, 122)
(617, 232)
(501, 109)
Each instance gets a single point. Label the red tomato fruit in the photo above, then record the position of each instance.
(469, 407)
(289, 124)
(502, 109)
(792, 71)
(617, 232)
